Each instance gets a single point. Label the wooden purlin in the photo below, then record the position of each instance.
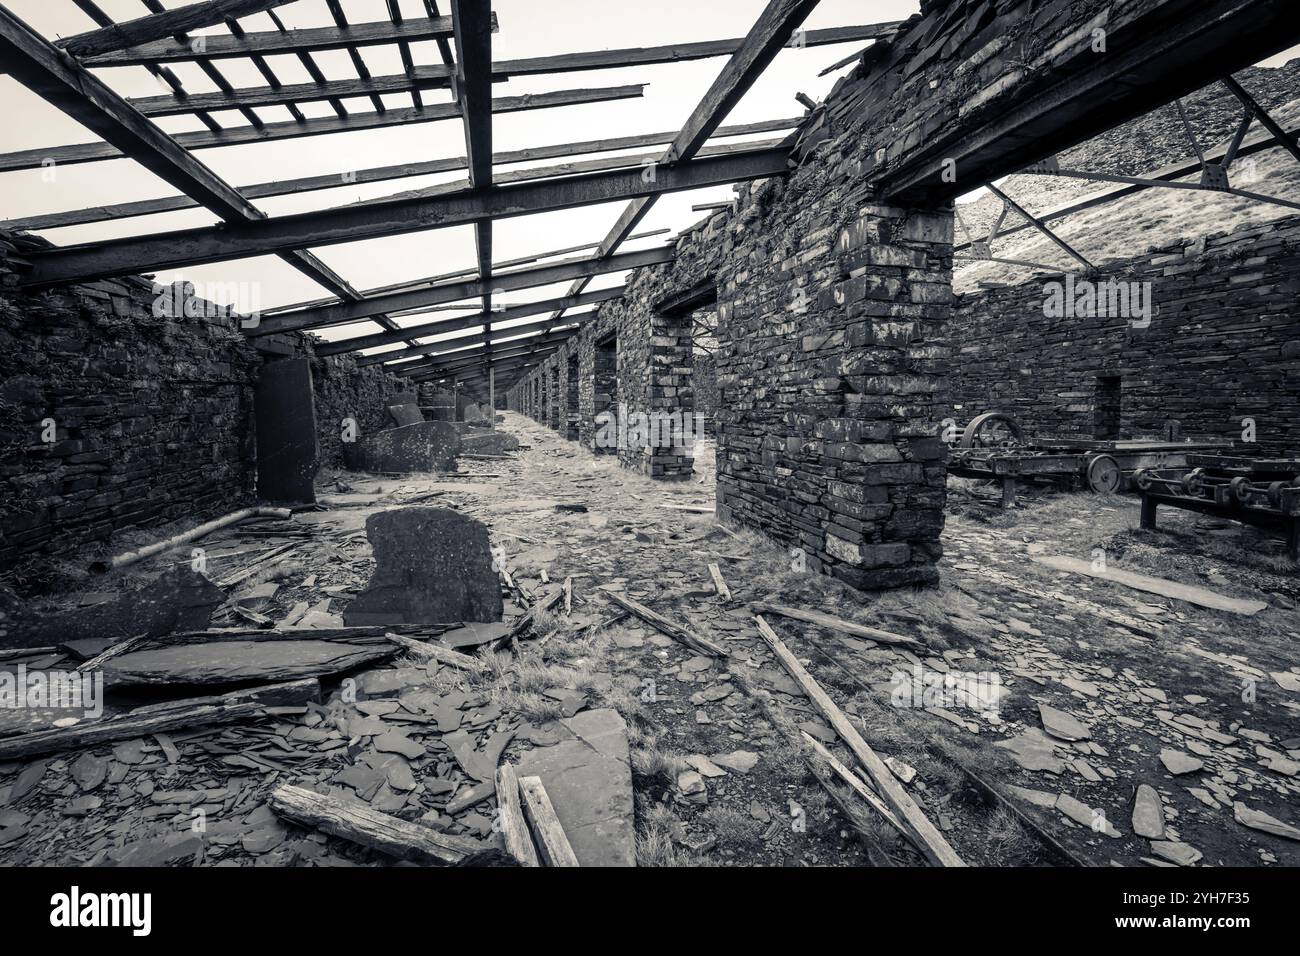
(161, 24)
(192, 247)
(273, 132)
(301, 259)
(149, 207)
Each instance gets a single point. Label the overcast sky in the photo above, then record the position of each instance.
(527, 28)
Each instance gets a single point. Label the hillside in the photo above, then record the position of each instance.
(1152, 218)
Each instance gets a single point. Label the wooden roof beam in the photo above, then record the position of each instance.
(159, 26)
(774, 27)
(412, 300)
(385, 218)
(273, 42)
(292, 129)
(149, 207)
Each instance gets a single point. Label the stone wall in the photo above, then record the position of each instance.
(115, 415)
(1222, 347)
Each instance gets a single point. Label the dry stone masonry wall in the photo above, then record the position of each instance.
(113, 417)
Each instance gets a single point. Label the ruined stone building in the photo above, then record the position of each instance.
(442, 529)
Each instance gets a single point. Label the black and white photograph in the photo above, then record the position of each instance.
(451, 436)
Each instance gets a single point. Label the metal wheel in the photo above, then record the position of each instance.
(1192, 483)
(1142, 478)
(991, 430)
(1104, 475)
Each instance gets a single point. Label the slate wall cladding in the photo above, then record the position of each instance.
(1224, 346)
(832, 306)
(153, 416)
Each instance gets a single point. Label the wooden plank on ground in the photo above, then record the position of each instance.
(835, 624)
(514, 828)
(724, 592)
(552, 844)
(933, 844)
(1144, 582)
(365, 826)
(690, 639)
(443, 655)
(126, 727)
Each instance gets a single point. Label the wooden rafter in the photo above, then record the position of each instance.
(386, 218)
(448, 345)
(273, 42)
(150, 207)
(473, 320)
(290, 129)
(157, 26)
(414, 299)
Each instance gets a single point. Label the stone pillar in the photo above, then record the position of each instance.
(829, 438)
(571, 416)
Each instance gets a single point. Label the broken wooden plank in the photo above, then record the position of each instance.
(365, 826)
(1151, 585)
(933, 844)
(443, 655)
(835, 624)
(553, 845)
(521, 626)
(514, 828)
(124, 728)
(724, 592)
(861, 789)
(691, 640)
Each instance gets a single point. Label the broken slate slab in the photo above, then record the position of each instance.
(1177, 762)
(432, 566)
(1175, 851)
(1061, 725)
(588, 777)
(228, 662)
(738, 761)
(1148, 813)
(1085, 815)
(1033, 751)
(1259, 820)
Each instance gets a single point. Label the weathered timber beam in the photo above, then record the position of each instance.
(471, 346)
(56, 78)
(320, 126)
(451, 345)
(158, 26)
(675, 52)
(346, 312)
(386, 218)
(149, 207)
(1153, 59)
(474, 320)
(175, 104)
(274, 42)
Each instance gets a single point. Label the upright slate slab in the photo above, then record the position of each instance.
(286, 431)
(405, 414)
(432, 566)
(423, 446)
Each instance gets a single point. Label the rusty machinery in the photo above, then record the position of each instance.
(1255, 491)
(993, 447)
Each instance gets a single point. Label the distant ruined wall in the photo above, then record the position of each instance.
(151, 417)
(1223, 346)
